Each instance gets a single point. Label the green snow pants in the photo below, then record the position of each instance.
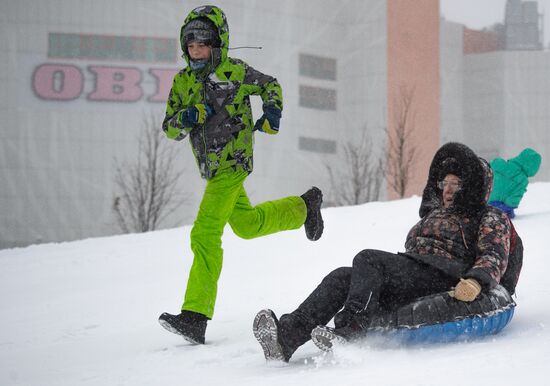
(225, 200)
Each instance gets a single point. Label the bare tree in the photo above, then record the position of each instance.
(401, 150)
(360, 178)
(147, 189)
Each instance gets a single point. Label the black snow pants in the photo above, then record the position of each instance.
(375, 280)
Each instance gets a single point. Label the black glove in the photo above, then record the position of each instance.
(196, 114)
(269, 121)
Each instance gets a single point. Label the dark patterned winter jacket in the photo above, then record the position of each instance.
(225, 141)
(470, 239)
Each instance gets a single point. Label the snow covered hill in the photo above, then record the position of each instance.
(85, 312)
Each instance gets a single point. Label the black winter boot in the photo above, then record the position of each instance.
(343, 318)
(267, 331)
(191, 325)
(325, 337)
(314, 221)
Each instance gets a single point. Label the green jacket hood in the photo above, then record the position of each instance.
(216, 16)
(529, 160)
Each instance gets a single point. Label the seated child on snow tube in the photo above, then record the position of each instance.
(460, 242)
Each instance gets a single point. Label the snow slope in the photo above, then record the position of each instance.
(85, 312)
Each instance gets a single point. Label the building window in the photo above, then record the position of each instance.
(317, 98)
(118, 48)
(317, 67)
(317, 145)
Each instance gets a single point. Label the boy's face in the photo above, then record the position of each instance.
(199, 51)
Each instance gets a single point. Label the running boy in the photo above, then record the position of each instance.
(210, 102)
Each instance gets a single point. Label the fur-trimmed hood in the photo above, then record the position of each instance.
(475, 173)
(215, 16)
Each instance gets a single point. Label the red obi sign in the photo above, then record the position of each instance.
(65, 82)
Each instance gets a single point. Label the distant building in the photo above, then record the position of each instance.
(495, 85)
(522, 30)
(522, 26)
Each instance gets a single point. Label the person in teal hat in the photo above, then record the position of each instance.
(511, 179)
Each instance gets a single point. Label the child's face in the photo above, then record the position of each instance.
(450, 185)
(199, 51)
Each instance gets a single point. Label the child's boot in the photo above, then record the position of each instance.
(267, 331)
(314, 221)
(191, 325)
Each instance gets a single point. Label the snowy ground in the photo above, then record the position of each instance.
(85, 312)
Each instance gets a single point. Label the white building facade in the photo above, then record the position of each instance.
(497, 102)
(78, 78)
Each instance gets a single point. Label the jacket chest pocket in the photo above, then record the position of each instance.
(220, 94)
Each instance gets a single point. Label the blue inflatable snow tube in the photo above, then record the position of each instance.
(440, 318)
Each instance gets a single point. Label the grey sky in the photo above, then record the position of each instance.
(483, 13)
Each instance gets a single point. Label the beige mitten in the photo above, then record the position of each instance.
(467, 290)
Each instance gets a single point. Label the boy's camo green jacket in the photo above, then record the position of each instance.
(225, 139)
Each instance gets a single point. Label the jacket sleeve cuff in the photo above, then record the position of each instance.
(484, 278)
